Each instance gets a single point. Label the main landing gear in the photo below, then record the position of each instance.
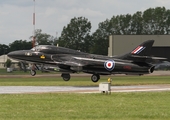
(65, 76)
(95, 77)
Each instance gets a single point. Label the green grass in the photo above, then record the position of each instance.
(83, 81)
(66, 106)
(4, 72)
(74, 106)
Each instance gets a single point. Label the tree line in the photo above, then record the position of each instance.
(77, 34)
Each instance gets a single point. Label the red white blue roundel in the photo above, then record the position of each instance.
(109, 65)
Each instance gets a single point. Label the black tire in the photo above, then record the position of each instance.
(65, 76)
(33, 72)
(95, 77)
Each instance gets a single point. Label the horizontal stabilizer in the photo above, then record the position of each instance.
(149, 59)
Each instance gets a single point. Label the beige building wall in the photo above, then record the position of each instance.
(120, 44)
(3, 59)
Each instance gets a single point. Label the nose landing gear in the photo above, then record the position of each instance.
(33, 72)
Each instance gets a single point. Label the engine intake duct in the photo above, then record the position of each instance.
(152, 69)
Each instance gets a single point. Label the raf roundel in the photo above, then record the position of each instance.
(109, 65)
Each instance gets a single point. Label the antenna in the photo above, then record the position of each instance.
(33, 38)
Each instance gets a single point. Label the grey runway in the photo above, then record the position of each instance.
(73, 89)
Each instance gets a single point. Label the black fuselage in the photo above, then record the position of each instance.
(76, 61)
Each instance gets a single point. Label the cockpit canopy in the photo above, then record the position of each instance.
(40, 48)
(50, 49)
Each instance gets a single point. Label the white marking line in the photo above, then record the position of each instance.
(145, 90)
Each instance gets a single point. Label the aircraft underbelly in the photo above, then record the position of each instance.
(118, 67)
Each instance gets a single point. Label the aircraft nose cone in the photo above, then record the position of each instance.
(11, 54)
(14, 54)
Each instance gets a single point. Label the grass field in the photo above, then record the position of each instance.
(66, 106)
(78, 106)
(83, 81)
(4, 72)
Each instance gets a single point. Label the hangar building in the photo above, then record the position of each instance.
(121, 44)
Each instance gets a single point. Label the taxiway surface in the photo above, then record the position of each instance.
(72, 89)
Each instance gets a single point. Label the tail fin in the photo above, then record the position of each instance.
(143, 49)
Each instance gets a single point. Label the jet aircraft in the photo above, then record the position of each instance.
(69, 61)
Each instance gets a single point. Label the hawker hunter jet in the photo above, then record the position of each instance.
(69, 61)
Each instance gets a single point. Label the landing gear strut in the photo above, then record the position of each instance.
(95, 77)
(65, 76)
(33, 72)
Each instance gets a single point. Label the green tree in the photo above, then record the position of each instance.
(76, 35)
(167, 22)
(20, 45)
(152, 21)
(43, 38)
(114, 25)
(8, 63)
(137, 23)
(155, 21)
(125, 24)
(100, 38)
(4, 49)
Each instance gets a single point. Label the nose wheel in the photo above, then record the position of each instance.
(95, 77)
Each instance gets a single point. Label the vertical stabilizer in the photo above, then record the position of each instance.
(143, 49)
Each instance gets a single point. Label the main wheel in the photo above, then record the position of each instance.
(33, 72)
(95, 77)
(65, 76)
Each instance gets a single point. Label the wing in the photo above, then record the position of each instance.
(75, 63)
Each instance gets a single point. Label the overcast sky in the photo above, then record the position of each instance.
(16, 16)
